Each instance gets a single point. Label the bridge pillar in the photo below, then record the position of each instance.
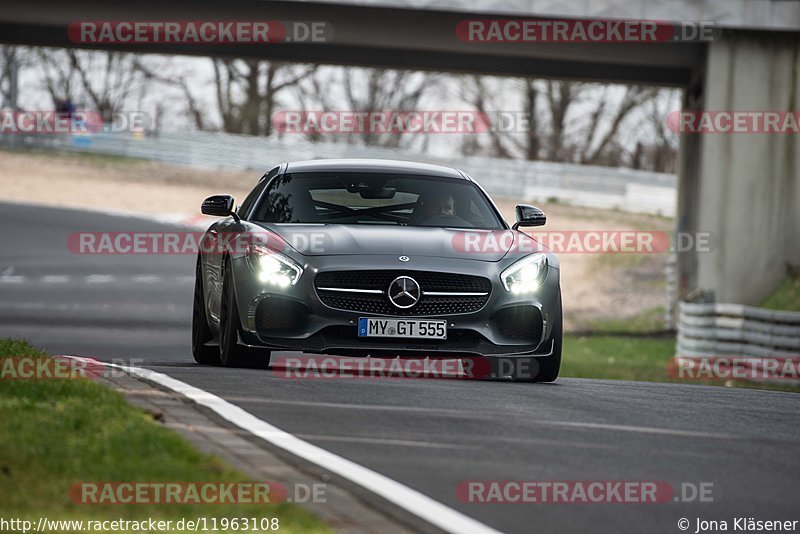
(742, 188)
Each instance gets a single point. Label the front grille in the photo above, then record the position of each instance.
(428, 281)
(380, 304)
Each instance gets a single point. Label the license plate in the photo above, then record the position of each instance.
(406, 328)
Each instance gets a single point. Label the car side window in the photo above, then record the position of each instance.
(256, 192)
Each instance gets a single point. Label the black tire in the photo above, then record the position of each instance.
(201, 333)
(549, 366)
(231, 354)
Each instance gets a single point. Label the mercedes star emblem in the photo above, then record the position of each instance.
(404, 292)
(403, 258)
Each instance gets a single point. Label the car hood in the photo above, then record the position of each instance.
(350, 239)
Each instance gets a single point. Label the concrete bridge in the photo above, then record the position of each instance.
(743, 188)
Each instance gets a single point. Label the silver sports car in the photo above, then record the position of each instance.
(376, 258)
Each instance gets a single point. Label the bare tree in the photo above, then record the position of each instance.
(105, 81)
(519, 142)
(59, 74)
(182, 81)
(567, 121)
(314, 93)
(247, 92)
(108, 79)
(364, 90)
(477, 93)
(367, 91)
(596, 144)
(531, 141)
(12, 59)
(559, 96)
(384, 90)
(662, 153)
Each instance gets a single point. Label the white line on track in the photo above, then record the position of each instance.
(146, 278)
(641, 429)
(55, 279)
(379, 407)
(96, 279)
(99, 278)
(387, 441)
(402, 496)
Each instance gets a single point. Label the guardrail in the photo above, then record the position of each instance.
(582, 185)
(717, 329)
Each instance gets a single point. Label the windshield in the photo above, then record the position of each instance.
(376, 198)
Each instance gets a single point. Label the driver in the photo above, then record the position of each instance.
(440, 210)
(440, 205)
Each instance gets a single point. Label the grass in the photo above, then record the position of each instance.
(59, 432)
(786, 297)
(621, 260)
(649, 321)
(641, 358)
(617, 357)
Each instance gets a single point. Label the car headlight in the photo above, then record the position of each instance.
(526, 275)
(273, 267)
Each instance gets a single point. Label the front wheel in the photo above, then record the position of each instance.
(231, 353)
(549, 366)
(201, 333)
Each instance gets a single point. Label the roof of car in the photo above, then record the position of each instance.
(372, 165)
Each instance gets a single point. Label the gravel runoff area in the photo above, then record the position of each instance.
(595, 286)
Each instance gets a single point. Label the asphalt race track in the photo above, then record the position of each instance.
(428, 434)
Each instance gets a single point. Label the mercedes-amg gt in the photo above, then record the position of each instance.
(376, 258)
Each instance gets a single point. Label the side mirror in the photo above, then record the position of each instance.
(219, 206)
(529, 216)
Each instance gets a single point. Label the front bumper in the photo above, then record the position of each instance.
(294, 318)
